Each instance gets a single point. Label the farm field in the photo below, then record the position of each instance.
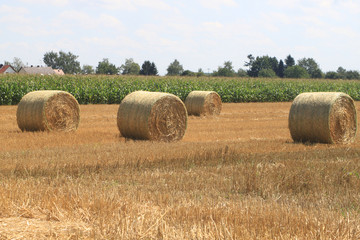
(236, 176)
(103, 89)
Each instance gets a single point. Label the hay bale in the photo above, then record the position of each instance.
(203, 103)
(48, 110)
(152, 116)
(326, 117)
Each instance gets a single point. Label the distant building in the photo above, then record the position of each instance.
(6, 69)
(59, 72)
(37, 70)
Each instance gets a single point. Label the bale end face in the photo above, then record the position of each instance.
(343, 120)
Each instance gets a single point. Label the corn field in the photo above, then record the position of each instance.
(97, 89)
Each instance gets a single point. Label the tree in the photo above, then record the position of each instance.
(175, 68)
(188, 73)
(226, 71)
(317, 73)
(341, 72)
(296, 72)
(17, 64)
(331, 75)
(242, 73)
(352, 75)
(130, 67)
(87, 69)
(51, 59)
(65, 61)
(251, 60)
(105, 67)
(280, 69)
(260, 63)
(289, 61)
(267, 73)
(200, 73)
(311, 67)
(148, 68)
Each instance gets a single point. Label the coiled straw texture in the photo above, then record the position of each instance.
(48, 110)
(325, 117)
(152, 116)
(202, 103)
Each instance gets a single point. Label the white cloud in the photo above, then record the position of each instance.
(317, 33)
(352, 6)
(156, 4)
(14, 11)
(76, 18)
(212, 26)
(157, 40)
(52, 2)
(151, 35)
(135, 4)
(118, 4)
(18, 20)
(284, 4)
(84, 20)
(309, 20)
(110, 21)
(346, 33)
(112, 42)
(215, 4)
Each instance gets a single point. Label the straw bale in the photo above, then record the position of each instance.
(48, 110)
(325, 117)
(152, 116)
(203, 103)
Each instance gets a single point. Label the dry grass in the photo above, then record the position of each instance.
(243, 179)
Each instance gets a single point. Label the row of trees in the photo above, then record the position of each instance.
(260, 66)
(269, 67)
(69, 64)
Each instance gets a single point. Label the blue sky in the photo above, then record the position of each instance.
(198, 33)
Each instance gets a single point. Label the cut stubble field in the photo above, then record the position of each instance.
(235, 176)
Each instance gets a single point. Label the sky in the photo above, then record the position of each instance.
(198, 33)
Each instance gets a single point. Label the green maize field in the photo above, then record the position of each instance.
(95, 89)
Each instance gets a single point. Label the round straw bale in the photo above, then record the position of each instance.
(48, 110)
(203, 103)
(325, 117)
(152, 116)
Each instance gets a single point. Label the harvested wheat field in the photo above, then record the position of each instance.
(234, 176)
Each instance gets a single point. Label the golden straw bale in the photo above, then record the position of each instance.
(152, 116)
(325, 117)
(203, 103)
(48, 110)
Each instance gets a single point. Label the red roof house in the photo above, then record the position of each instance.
(7, 69)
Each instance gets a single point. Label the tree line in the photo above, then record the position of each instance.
(259, 66)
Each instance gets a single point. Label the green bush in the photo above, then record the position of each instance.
(267, 73)
(296, 72)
